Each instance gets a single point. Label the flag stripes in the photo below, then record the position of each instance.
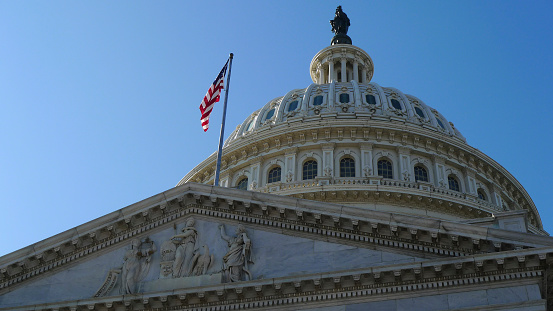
(212, 96)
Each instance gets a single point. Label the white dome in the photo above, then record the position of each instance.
(352, 100)
(347, 140)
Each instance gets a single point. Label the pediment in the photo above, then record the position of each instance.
(287, 239)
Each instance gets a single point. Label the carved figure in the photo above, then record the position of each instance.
(203, 262)
(340, 23)
(136, 264)
(236, 260)
(186, 241)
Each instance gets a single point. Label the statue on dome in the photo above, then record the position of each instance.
(340, 25)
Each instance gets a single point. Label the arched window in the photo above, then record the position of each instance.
(250, 126)
(481, 195)
(318, 100)
(347, 167)
(385, 169)
(344, 98)
(293, 106)
(440, 123)
(274, 175)
(396, 104)
(270, 114)
(242, 184)
(420, 112)
(453, 183)
(371, 100)
(421, 174)
(309, 169)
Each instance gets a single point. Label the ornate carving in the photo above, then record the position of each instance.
(136, 264)
(236, 260)
(186, 241)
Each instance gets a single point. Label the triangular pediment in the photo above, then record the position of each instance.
(152, 247)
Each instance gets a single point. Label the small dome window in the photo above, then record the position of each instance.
(270, 114)
(371, 100)
(274, 175)
(385, 169)
(347, 167)
(318, 100)
(453, 183)
(481, 195)
(309, 169)
(242, 184)
(250, 126)
(440, 123)
(344, 98)
(420, 112)
(396, 104)
(293, 106)
(421, 174)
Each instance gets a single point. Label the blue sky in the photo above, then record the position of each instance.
(100, 99)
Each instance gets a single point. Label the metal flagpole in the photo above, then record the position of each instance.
(220, 151)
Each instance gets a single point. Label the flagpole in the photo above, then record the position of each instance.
(221, 136)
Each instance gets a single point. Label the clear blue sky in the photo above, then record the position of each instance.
(100, 98)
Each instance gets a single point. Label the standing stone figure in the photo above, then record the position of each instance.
(136, 264)
(186, 241)
(340, 25)
(236, 260)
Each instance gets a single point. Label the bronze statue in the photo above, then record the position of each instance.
(340, 25)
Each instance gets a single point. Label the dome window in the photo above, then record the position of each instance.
(270, 114)
(371, 100)
(274, 175)
(242, 184)
(421, 174)
(344, 98)
(309, 169)
(440, 123)
(347, 167)
(385, 169)
(481, 195)
(396, 104)
(250, 126)
(318, 100)
(453, 183)
(420, 112)
(293, 106)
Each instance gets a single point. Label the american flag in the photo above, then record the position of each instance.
(212, 96)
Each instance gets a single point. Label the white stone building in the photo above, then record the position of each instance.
(343, 195)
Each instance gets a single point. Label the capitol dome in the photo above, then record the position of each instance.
(345, 139)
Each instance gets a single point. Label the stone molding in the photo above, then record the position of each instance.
(458, 155)
(351, 286)
(343, 224)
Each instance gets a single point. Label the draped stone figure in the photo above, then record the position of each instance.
(136, 264)
(238, 257)
(186, 241)
(340, 25)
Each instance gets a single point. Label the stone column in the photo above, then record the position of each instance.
(328, 160)
(321, 73)
(405, 164)
(356, 71)
(364, 75)
(470, 181)
(366, 160)
(496, 196)
(256, 175)
(224, 181)
(330, 70)
(290, 165)
(439, 169)
(343, 77)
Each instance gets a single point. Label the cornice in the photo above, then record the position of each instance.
(338, 223)
(380, 135)
(368, 284)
